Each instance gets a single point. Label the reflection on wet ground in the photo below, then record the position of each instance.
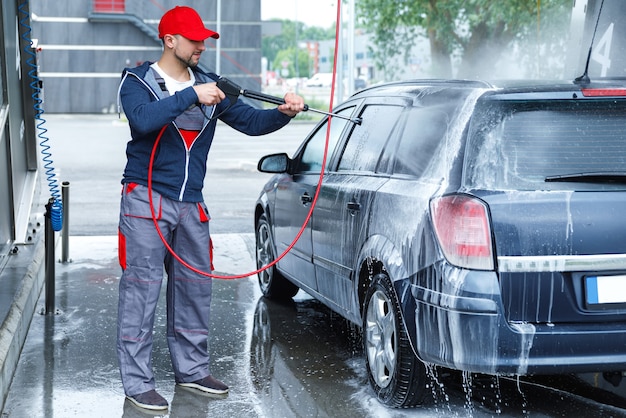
(296, 359)
(304, 360)
(308, 361)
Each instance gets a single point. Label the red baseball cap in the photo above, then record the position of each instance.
(185, 21)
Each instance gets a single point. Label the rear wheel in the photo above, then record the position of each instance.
(397, 376)
(273, 284)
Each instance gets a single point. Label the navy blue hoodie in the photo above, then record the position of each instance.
(178, 173)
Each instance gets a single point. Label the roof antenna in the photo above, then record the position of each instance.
(584, 78)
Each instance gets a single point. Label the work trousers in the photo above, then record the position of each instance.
(142, 253)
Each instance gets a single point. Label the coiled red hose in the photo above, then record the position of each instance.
(308, 217)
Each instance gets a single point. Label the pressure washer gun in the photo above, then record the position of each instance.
(233, 91)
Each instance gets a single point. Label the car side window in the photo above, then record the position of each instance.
(312, 155)
(365, 145)
(424, 129)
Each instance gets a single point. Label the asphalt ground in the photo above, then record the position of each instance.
(68, 367)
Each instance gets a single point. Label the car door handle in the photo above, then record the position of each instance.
(305, 198)
(354, 207)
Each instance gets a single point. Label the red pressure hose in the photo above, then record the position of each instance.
(317, 191)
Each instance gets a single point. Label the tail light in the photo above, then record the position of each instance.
(462, 228)
(604, 92)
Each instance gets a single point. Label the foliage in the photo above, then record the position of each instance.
(478, 31)
(304, 67)
(279, 48)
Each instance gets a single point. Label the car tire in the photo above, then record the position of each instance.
(397, 376)
(273, 284)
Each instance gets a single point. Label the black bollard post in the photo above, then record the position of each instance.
(49, 259)
(65, 234)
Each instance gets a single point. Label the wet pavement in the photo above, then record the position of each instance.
(280, 360)
(68, 366)
(296, 359)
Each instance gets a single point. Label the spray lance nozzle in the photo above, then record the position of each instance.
(232, 91)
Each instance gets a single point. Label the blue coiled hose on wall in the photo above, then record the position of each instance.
(56, 207)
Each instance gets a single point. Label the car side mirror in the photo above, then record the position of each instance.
(274, 163)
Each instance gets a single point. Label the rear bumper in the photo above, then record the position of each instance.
(460, 328)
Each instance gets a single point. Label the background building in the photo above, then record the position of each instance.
(83, 46)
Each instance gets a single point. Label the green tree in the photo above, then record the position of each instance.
(273, 46)
(288, 56)
(478, 31)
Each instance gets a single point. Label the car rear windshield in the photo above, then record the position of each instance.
(547, 146)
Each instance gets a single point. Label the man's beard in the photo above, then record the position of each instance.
(188, 62)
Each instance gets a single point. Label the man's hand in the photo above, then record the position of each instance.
(208, 94)
(294, 104)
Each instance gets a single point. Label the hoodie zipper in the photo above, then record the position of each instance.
(183, 187)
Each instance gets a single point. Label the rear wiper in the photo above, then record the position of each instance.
(591, 177)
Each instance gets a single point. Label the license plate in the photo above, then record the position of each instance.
(603, 290)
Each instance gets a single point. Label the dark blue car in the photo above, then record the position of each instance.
(462, 224)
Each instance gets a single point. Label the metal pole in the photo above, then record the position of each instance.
(296, 47)
(49, 259)
(340, 61)
(351, 68)
(65, 198)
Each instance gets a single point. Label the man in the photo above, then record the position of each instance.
(175, 94)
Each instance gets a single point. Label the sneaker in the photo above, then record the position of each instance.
(149, 400)
(207, 385)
